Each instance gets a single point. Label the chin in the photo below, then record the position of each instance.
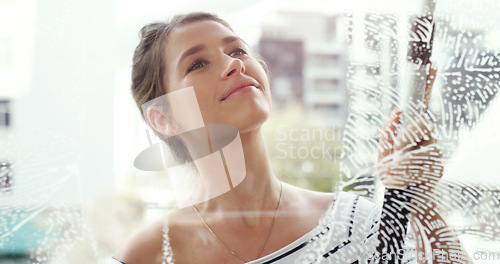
(246, 121)
(249, 116)
(249, 129)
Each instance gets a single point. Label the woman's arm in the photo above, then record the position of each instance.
(430, 228)
(410, 166)
(145, 246)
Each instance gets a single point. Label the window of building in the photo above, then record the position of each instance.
(4, 113)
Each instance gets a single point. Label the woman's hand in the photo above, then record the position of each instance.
(409, 157)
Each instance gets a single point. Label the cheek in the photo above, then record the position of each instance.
(200, 103)
(205, 99)
(204, 84)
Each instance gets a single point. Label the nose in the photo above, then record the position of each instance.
(235, 66)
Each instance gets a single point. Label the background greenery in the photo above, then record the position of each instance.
(304, 151)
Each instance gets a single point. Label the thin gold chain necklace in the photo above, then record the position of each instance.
(224, 245)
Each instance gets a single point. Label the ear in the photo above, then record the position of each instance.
(160, 122)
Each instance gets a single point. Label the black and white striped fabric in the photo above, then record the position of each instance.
(115, 261)
(347, 233)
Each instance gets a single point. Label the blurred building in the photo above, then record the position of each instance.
(307, 59)
(286, 61)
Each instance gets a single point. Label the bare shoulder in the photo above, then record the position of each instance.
(147, 244)
(144, 246)
(311, 200)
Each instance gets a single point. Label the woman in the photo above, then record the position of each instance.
(261, 220)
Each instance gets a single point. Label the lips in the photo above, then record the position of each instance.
(233, 88)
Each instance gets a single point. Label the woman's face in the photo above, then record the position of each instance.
(230, 84)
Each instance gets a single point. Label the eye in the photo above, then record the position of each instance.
(237, 52)
(197, 64)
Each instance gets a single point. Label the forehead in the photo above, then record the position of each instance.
(195, 33)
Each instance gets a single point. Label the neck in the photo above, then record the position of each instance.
(259, 192)
(260, 182)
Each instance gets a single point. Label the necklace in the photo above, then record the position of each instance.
(224, 245)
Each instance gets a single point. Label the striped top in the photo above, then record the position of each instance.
(347, 233)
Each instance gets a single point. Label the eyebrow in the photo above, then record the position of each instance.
(201, 47)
